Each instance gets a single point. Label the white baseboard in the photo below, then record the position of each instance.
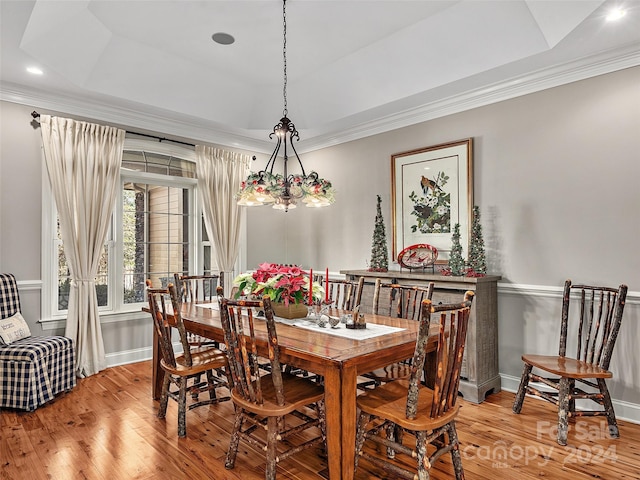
(129, 356)
(629, 412)
(136, 355)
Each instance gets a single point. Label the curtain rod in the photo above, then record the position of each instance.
(36, 115)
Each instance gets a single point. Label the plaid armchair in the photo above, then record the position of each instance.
(33, 369)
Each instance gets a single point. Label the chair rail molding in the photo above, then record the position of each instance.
(25, 285)
(633, 298)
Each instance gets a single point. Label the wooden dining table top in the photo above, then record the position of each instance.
(340, 360)
(317, 343)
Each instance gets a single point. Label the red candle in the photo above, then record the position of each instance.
(311, 286)
(326, 285)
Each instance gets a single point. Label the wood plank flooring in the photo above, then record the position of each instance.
(107, 429)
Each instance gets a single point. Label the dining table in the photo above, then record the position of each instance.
(336, 356)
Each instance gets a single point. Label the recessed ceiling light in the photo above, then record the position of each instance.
(223, 38)
(616, 14)
(35, 70)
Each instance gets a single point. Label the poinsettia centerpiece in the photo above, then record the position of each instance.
(282, 283)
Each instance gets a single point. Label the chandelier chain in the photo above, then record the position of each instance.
(284, 190)
(284, 56)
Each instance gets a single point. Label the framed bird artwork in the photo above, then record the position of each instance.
(431, 191)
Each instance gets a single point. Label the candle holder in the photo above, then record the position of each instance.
(328, 303)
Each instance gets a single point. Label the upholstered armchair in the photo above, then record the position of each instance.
(33, 369)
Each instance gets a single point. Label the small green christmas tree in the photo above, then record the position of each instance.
(477, 258)
(456, 261)
(379, 253)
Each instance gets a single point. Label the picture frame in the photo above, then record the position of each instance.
(431, 191)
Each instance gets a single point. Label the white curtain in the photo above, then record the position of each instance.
(220, 174)
(83, 161)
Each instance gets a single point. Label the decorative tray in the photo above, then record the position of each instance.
(418, 256)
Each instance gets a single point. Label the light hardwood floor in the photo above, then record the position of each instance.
(107, 429)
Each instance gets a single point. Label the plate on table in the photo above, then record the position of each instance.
(418, 256)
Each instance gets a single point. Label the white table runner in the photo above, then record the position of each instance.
(372, 330)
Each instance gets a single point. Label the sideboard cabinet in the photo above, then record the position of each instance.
(479, 375)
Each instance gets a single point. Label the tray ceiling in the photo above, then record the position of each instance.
(355, 67)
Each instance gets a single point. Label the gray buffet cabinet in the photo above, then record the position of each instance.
(479, 374)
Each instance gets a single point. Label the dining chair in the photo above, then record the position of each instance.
(400, 301)
(594, 325)
(264, 401)
(197, 289)
(184, 370)
(343, 294)
(405, 406)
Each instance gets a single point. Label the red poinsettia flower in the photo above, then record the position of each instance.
(282, 283)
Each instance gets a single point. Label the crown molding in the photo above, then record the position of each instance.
(144, 118)
(539, 80)
(157, 120)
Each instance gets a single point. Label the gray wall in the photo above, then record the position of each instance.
(555, 176)
(21, 171)
(21, 205)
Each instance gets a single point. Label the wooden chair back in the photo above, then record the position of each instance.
(165, 309)
(197, 288)
(402, 301)
(595, 324)
(344, 294)
(238, 324)
(452, 320)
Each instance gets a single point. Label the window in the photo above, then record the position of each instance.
(156, 223)
(64, 279)
(157, 229)
(206, 251)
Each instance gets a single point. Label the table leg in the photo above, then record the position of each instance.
(349, 419)
(332, 400)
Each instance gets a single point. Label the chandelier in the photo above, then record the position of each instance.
(283, 190)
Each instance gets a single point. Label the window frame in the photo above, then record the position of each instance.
(116, 310)
(194, 234)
